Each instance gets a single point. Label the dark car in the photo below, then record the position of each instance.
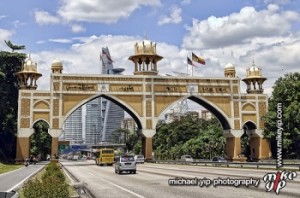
(218, 159)
(125, 163)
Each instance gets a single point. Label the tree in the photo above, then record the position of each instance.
(10, 63)
(196, 137)
(14, 47)
(285, 101)
(40, 141)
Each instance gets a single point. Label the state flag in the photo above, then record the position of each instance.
(198, 59)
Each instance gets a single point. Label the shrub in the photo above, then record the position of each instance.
(53, 185)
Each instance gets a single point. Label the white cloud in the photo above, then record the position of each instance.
(185, 2)
(101, 11)
(4, 35)
(239, 28)
(2, 16)
(60, 40)
(45, 18)
(17, 23)
(78, 28)
(175, 16)
(265, 36)
(278, 2)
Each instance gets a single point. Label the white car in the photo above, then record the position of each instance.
(139, 159)
(186, 158)
(125, 163)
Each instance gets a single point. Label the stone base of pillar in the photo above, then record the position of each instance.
(23, 146)
(147, 148)
(54, 148)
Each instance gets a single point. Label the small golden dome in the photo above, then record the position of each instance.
(229, 66)
(145, 47)
(56, 62)
(253, 71)
(29, 65)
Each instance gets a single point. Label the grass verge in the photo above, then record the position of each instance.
(8, 167)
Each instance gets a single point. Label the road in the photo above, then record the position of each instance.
(151, 180)
(11, 180)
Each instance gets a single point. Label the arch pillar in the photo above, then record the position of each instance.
(259, 147)
(55, 133)
(233, 144)
(23, 143)
(147, 143)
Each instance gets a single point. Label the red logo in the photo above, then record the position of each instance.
(277, 181)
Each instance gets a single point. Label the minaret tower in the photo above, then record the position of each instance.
(229, 70)
(28, 76)
(145, 58)
(57, 66)
(254, 80)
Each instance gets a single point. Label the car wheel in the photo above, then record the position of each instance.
(134, 172)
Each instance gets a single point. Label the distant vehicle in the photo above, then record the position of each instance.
(186, 158)
(218, 159)
(125, 163)
(105, 156)
(139, 159)
(75, 157)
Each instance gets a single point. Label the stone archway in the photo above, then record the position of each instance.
(145, 95)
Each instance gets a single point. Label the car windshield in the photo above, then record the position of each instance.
(127, 158)
(188, 156)
(140, 156)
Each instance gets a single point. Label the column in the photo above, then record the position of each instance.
(233, 144)
(147, 143)
(55, 133)
(23, 143)
(147, 148)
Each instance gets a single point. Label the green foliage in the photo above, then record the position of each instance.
(40, 141)
(196, 137)
(137, 148)
(14, 47)
(33, 189)
(287, 92)
(10, 64)
(53, 184)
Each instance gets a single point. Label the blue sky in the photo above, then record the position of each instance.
(221, 31)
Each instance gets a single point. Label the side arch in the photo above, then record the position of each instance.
(38, 120)
(249, 125)
(119, 102)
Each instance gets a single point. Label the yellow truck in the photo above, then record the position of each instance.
(105, 156)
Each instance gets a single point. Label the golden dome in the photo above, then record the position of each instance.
(145, 47)
(229, 66)
(253, 71)
(56, 62)
(29, 65)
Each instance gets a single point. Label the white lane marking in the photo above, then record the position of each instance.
(120, 187)
(21, 182)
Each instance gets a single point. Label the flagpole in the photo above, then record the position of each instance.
(187, 66)
(193, 70)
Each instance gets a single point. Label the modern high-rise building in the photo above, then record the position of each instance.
(73, 128)
(93, 122)
(103, 117)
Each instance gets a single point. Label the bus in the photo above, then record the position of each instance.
(105, 156)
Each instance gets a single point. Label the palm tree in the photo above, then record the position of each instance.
(14, 47)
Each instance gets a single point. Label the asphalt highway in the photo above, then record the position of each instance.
(152, 180)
